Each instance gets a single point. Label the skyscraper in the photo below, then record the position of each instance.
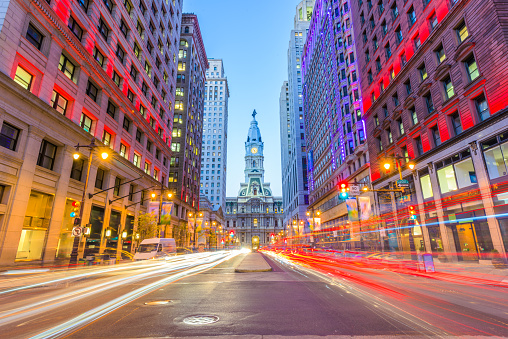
(215, 135)
(82, 71)
(435, 95)
(188, 123)
(293, 141)
(255, 212)
(336, 144)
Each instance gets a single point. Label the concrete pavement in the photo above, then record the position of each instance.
(253, 262)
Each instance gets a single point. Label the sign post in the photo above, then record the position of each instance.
(354, 190)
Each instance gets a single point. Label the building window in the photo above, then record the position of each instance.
(139, 135)
(86, 123)
(448, 87)
(58, 102)
(411, 14)
(111, 110)
(123, 151)
(389, 135)
(99, 179)
(67, 67)
(417, 42)
(181, 66)
(456, 123)
(380, 144)
(495, 151)
(92, 91)
(472, 68)
(419, 146)
(34, 36)
(126, 123)
(131, 193)
(433, 21)
(426, 186)
(75, 28)
(401, 127)
(407, 85)
(124, 28)
(376, 120)
(109, 5)
(423, 72)
(77, 169)
(106, 138)
(137, 160)
(482, 107)
(116, 189)
(23, 78)
(130, 96)
(120, 53)
(429, 103)
(458, 174)
(98, 56)
(116, 78)
(435, 136)
(147, 167)
(440, 54)
(398, 35)
(47, 154)
(9, 136)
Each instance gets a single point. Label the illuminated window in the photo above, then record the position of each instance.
(123, 151)
(181, 66)
(448, 87)
(86, 123)
(179, 91)
(98, 56)
(136, 160)
(23, 78)
(106, 138)
(462, 32)
(472, 68)
(58, 102)
(182, 54)
(75, 28)
(440, 54)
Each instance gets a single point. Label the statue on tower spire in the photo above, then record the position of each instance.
(254, 114)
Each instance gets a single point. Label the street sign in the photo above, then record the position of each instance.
(77, 231)
(402, 183)
(404, 198)
(354, 190)
(77, 222)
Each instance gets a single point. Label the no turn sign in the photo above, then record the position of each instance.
(77, 231)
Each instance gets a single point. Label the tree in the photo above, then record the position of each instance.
(147, 226)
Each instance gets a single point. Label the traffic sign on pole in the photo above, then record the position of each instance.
(354, 190)
(402, 183)
(77, 231)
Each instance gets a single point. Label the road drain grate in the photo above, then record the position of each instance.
(201, 319)
(158, 302)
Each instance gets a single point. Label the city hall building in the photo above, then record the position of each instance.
(255, 212)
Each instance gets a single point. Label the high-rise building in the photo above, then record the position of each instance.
(335, 131)
(294, 153)
(185, 164)
(434, 83)
(255, 212)
(71, 74)
(214, 150)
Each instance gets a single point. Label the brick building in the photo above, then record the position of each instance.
(434, 84)
(72, 72)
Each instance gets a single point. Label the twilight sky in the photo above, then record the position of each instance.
(253, 41)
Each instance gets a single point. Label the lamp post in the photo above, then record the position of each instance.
(104, 155)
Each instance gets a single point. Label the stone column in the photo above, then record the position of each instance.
(486, 193)
(419, 198)
(446, 232)
(57, 215)
(16, 214)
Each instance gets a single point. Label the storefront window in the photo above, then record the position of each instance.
(456, 172)
(35, 227)
(426, 187)
(496, 160)
(446, 178)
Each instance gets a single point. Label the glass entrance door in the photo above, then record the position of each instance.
(466, 242)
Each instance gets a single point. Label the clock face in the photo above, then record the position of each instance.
(253, 150)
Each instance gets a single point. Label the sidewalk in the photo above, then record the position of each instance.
(473, 270)
(253, 262)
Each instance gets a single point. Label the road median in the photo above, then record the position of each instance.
(253, 262)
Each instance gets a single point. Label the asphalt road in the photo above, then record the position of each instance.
(291, 301)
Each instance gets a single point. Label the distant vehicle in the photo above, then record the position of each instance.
(155, 248)
(255, 244)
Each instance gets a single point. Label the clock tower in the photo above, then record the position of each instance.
(254, 152)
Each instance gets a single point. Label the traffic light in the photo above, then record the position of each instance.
(75, 209)
(231, 233)
(412, 212)
(344, 188)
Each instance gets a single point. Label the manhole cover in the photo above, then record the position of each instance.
(201, 319)
(158, 302)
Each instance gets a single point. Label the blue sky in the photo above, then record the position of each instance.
(252, 38)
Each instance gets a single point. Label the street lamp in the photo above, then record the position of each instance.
(78, 222)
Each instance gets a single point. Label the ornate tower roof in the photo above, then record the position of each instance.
(254, 134)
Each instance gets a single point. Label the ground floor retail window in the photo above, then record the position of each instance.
(32, 241)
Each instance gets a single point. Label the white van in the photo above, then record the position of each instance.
(155, 248)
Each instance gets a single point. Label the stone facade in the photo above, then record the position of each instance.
(255, 212)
